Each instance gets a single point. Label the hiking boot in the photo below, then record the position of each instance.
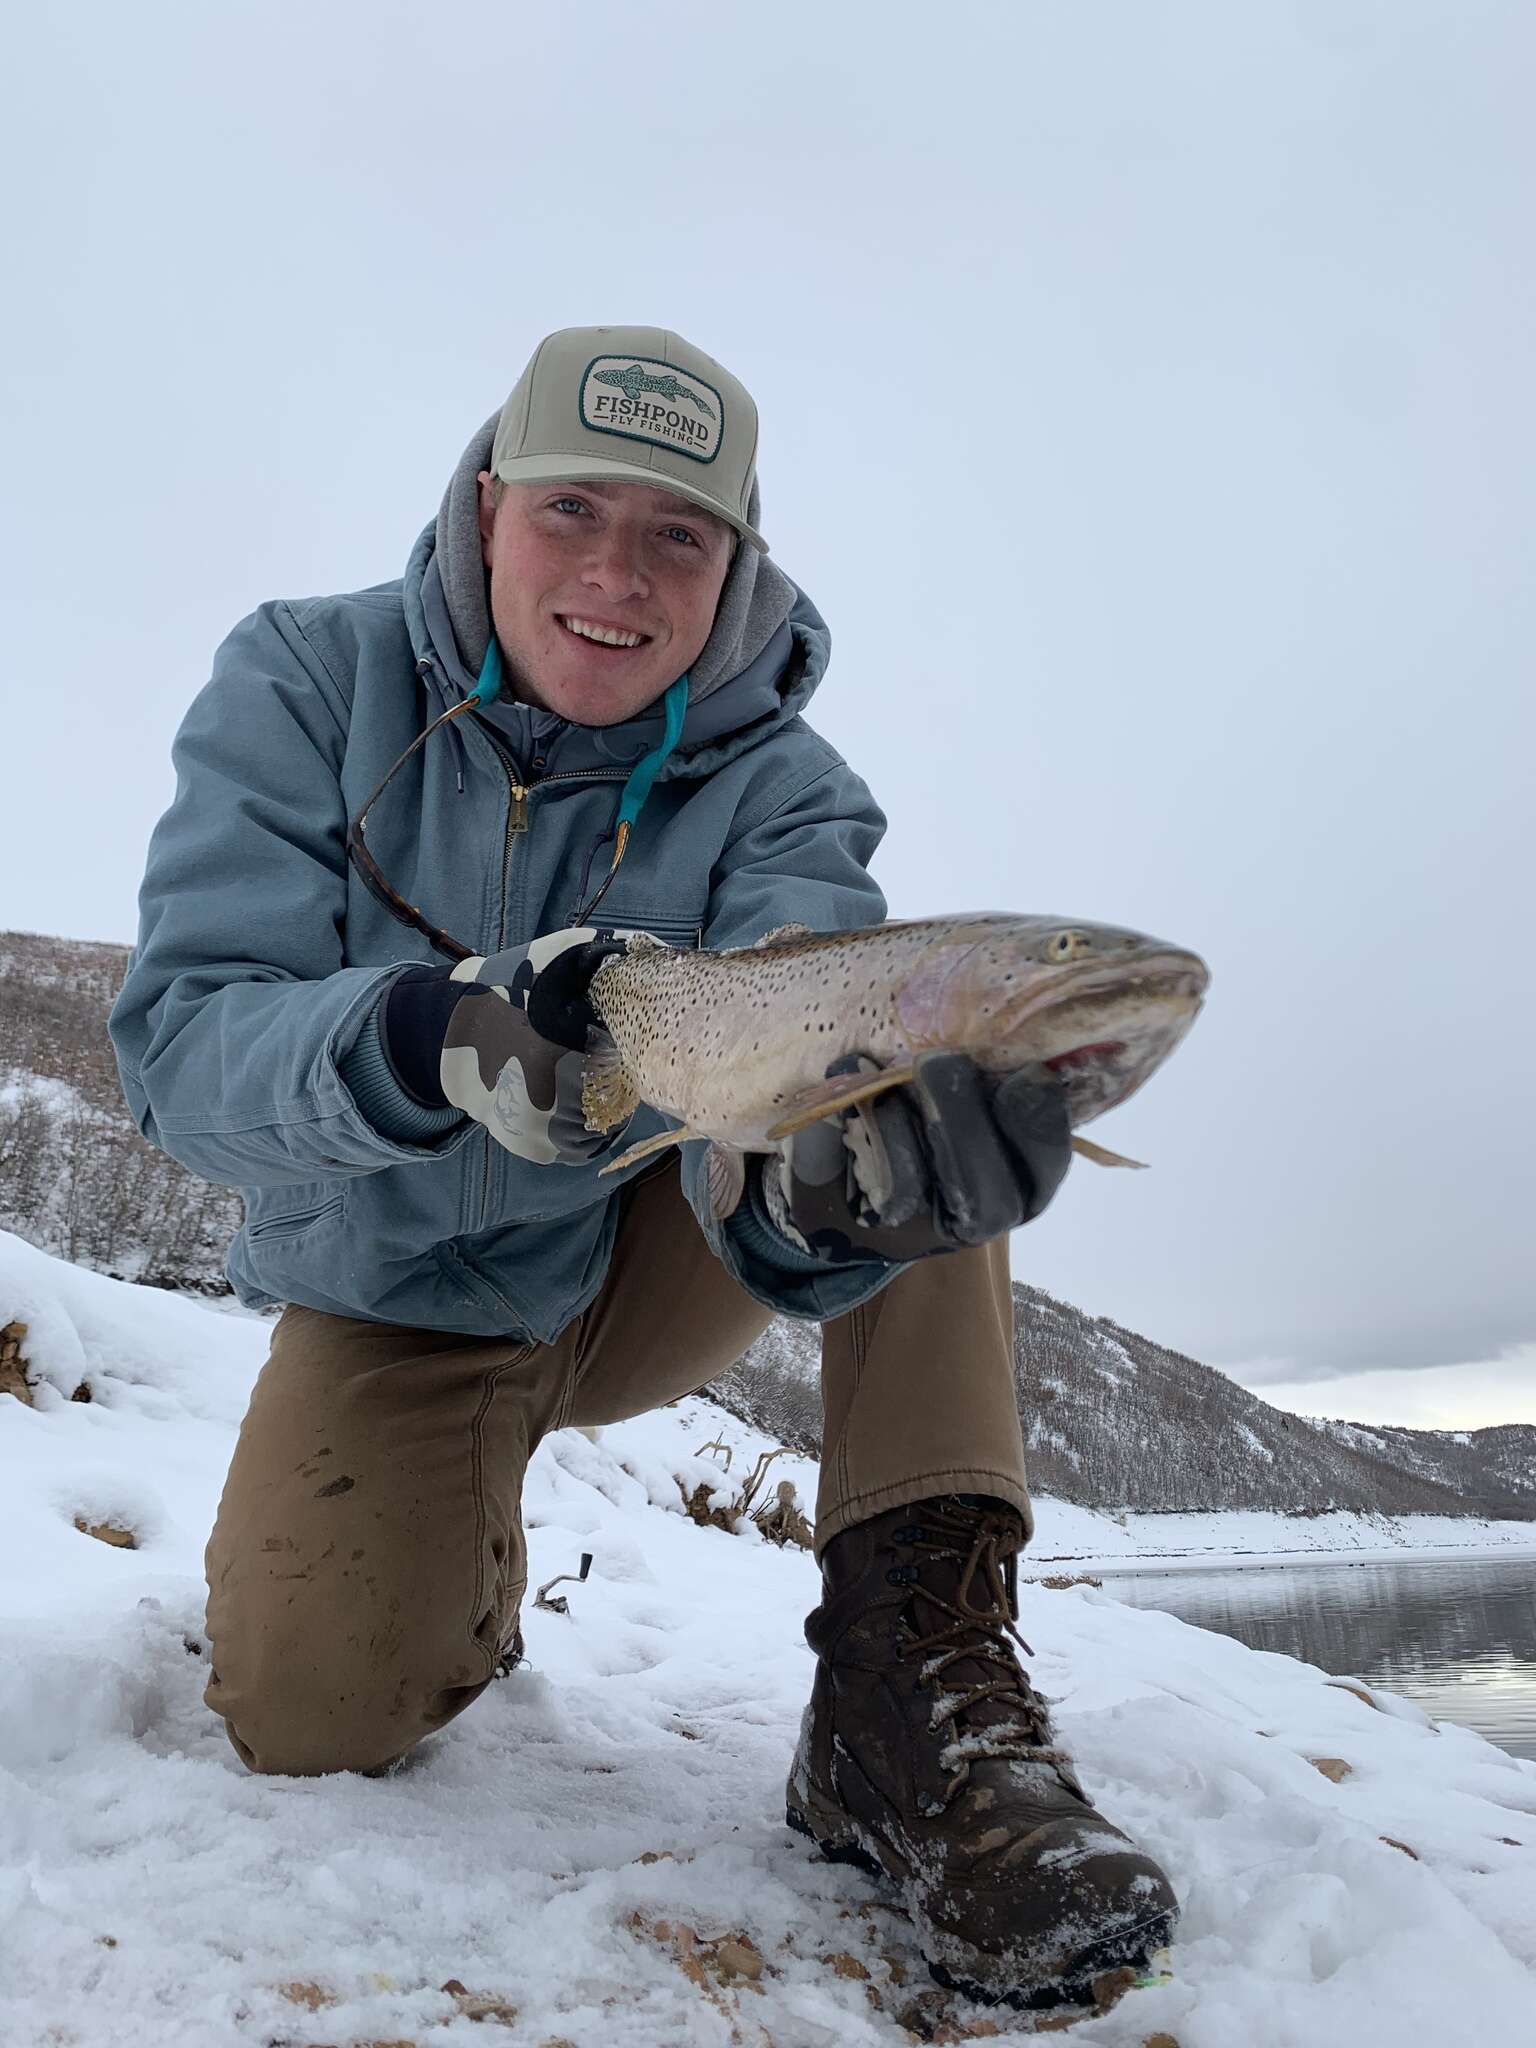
(927, 1756)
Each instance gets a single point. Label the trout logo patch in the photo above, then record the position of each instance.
(640, 399)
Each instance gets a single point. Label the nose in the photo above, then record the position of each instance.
(1067, 945)
(614, 568)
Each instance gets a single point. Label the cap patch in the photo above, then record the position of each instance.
(640, 399)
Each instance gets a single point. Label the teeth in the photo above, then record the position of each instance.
(610, 636)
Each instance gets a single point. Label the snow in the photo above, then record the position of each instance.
(1123, 1541)
(580, 1843)
(1255, 1443)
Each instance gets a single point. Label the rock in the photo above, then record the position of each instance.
(108, 1532)
(478, 2005)
(1349, 1685)
(311, 1996)
(845, 1965)
(13, 1377)
(1333, 1767)
(738, 1958)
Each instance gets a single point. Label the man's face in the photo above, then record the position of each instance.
(568, 560)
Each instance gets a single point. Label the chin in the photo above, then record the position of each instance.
(592, 704)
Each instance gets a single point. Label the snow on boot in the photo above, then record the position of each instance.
(927, 1756)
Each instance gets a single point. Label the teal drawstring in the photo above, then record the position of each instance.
(641, 777)
(638, 788)
(645, 770)
(488, 688)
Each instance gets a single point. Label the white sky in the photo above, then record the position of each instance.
(1146, 403)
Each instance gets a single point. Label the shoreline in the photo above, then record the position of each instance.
(1253, 1539)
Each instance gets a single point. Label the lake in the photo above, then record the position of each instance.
(1458, 1638)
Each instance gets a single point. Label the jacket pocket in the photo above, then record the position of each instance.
(672, 931)
(292, 1222)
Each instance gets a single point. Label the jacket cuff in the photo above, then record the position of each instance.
(384, 1104)
(752, 1229)
(770, 1268)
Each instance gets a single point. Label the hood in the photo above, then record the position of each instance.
(763, 659)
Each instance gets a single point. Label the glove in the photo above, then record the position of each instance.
(951, 1159)
(505, 1039)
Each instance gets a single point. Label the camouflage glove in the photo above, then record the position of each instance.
(464, 1036)
(952, 1159)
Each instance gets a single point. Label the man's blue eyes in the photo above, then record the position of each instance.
(577, 505)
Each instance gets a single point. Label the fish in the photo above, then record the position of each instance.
(736, 1043)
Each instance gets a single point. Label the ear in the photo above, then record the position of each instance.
(487, 485)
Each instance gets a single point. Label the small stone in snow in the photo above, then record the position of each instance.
(310, 1996)
(1333, 1767)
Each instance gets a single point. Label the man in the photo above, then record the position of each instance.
(611, 673)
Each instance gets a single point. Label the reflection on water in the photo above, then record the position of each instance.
(1457, 1638)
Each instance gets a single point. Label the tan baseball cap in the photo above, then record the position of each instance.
(638, 405)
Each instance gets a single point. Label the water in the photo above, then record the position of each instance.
(1458, 1638)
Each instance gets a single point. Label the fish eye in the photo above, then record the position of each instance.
(1068, 945)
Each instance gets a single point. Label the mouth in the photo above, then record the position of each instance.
(1086, 1056)
(615, 641)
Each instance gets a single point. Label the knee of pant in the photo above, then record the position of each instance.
(347, 1705)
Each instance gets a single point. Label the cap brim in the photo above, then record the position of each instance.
(576, 468)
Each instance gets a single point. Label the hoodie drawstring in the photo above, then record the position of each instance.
(638, 788)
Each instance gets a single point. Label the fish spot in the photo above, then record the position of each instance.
(342, 1485)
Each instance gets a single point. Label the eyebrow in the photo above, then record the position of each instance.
(672, 506)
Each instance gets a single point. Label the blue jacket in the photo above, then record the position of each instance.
(244, 1031)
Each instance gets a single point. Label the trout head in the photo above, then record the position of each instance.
(1098, 1006)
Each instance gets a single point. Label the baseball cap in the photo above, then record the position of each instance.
(635, 405)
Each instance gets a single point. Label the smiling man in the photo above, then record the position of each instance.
(602, 595)
(409, 824)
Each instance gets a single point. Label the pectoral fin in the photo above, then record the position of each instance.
(608, 1093)
(725, 1171)
(842, 1091)
(1100, 1157)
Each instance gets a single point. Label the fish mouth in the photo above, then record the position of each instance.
(1085, 1055)
(1157, 977)
(1103, 1032)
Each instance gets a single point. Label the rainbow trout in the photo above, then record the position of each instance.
(736, 1044)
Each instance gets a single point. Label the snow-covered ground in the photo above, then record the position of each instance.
(1085, 1537)
(579, 1851)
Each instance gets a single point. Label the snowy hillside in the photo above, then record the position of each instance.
(75, 1176)
(1114, 1420)
(595, 1853)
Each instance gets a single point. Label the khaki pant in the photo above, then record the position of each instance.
(367, 1564)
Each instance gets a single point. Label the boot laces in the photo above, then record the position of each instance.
(999, 1715)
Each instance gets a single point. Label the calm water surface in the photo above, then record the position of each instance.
(1457, 1638)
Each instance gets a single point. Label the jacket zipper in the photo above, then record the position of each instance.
(518, 822)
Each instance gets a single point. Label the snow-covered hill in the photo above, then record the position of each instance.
(1113, 1419)
(595, 1852)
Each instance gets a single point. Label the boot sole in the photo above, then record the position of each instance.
(1096, 1978)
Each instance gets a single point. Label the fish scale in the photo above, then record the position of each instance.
(736, 1045)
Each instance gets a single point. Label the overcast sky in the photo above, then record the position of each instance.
(1146, 402)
